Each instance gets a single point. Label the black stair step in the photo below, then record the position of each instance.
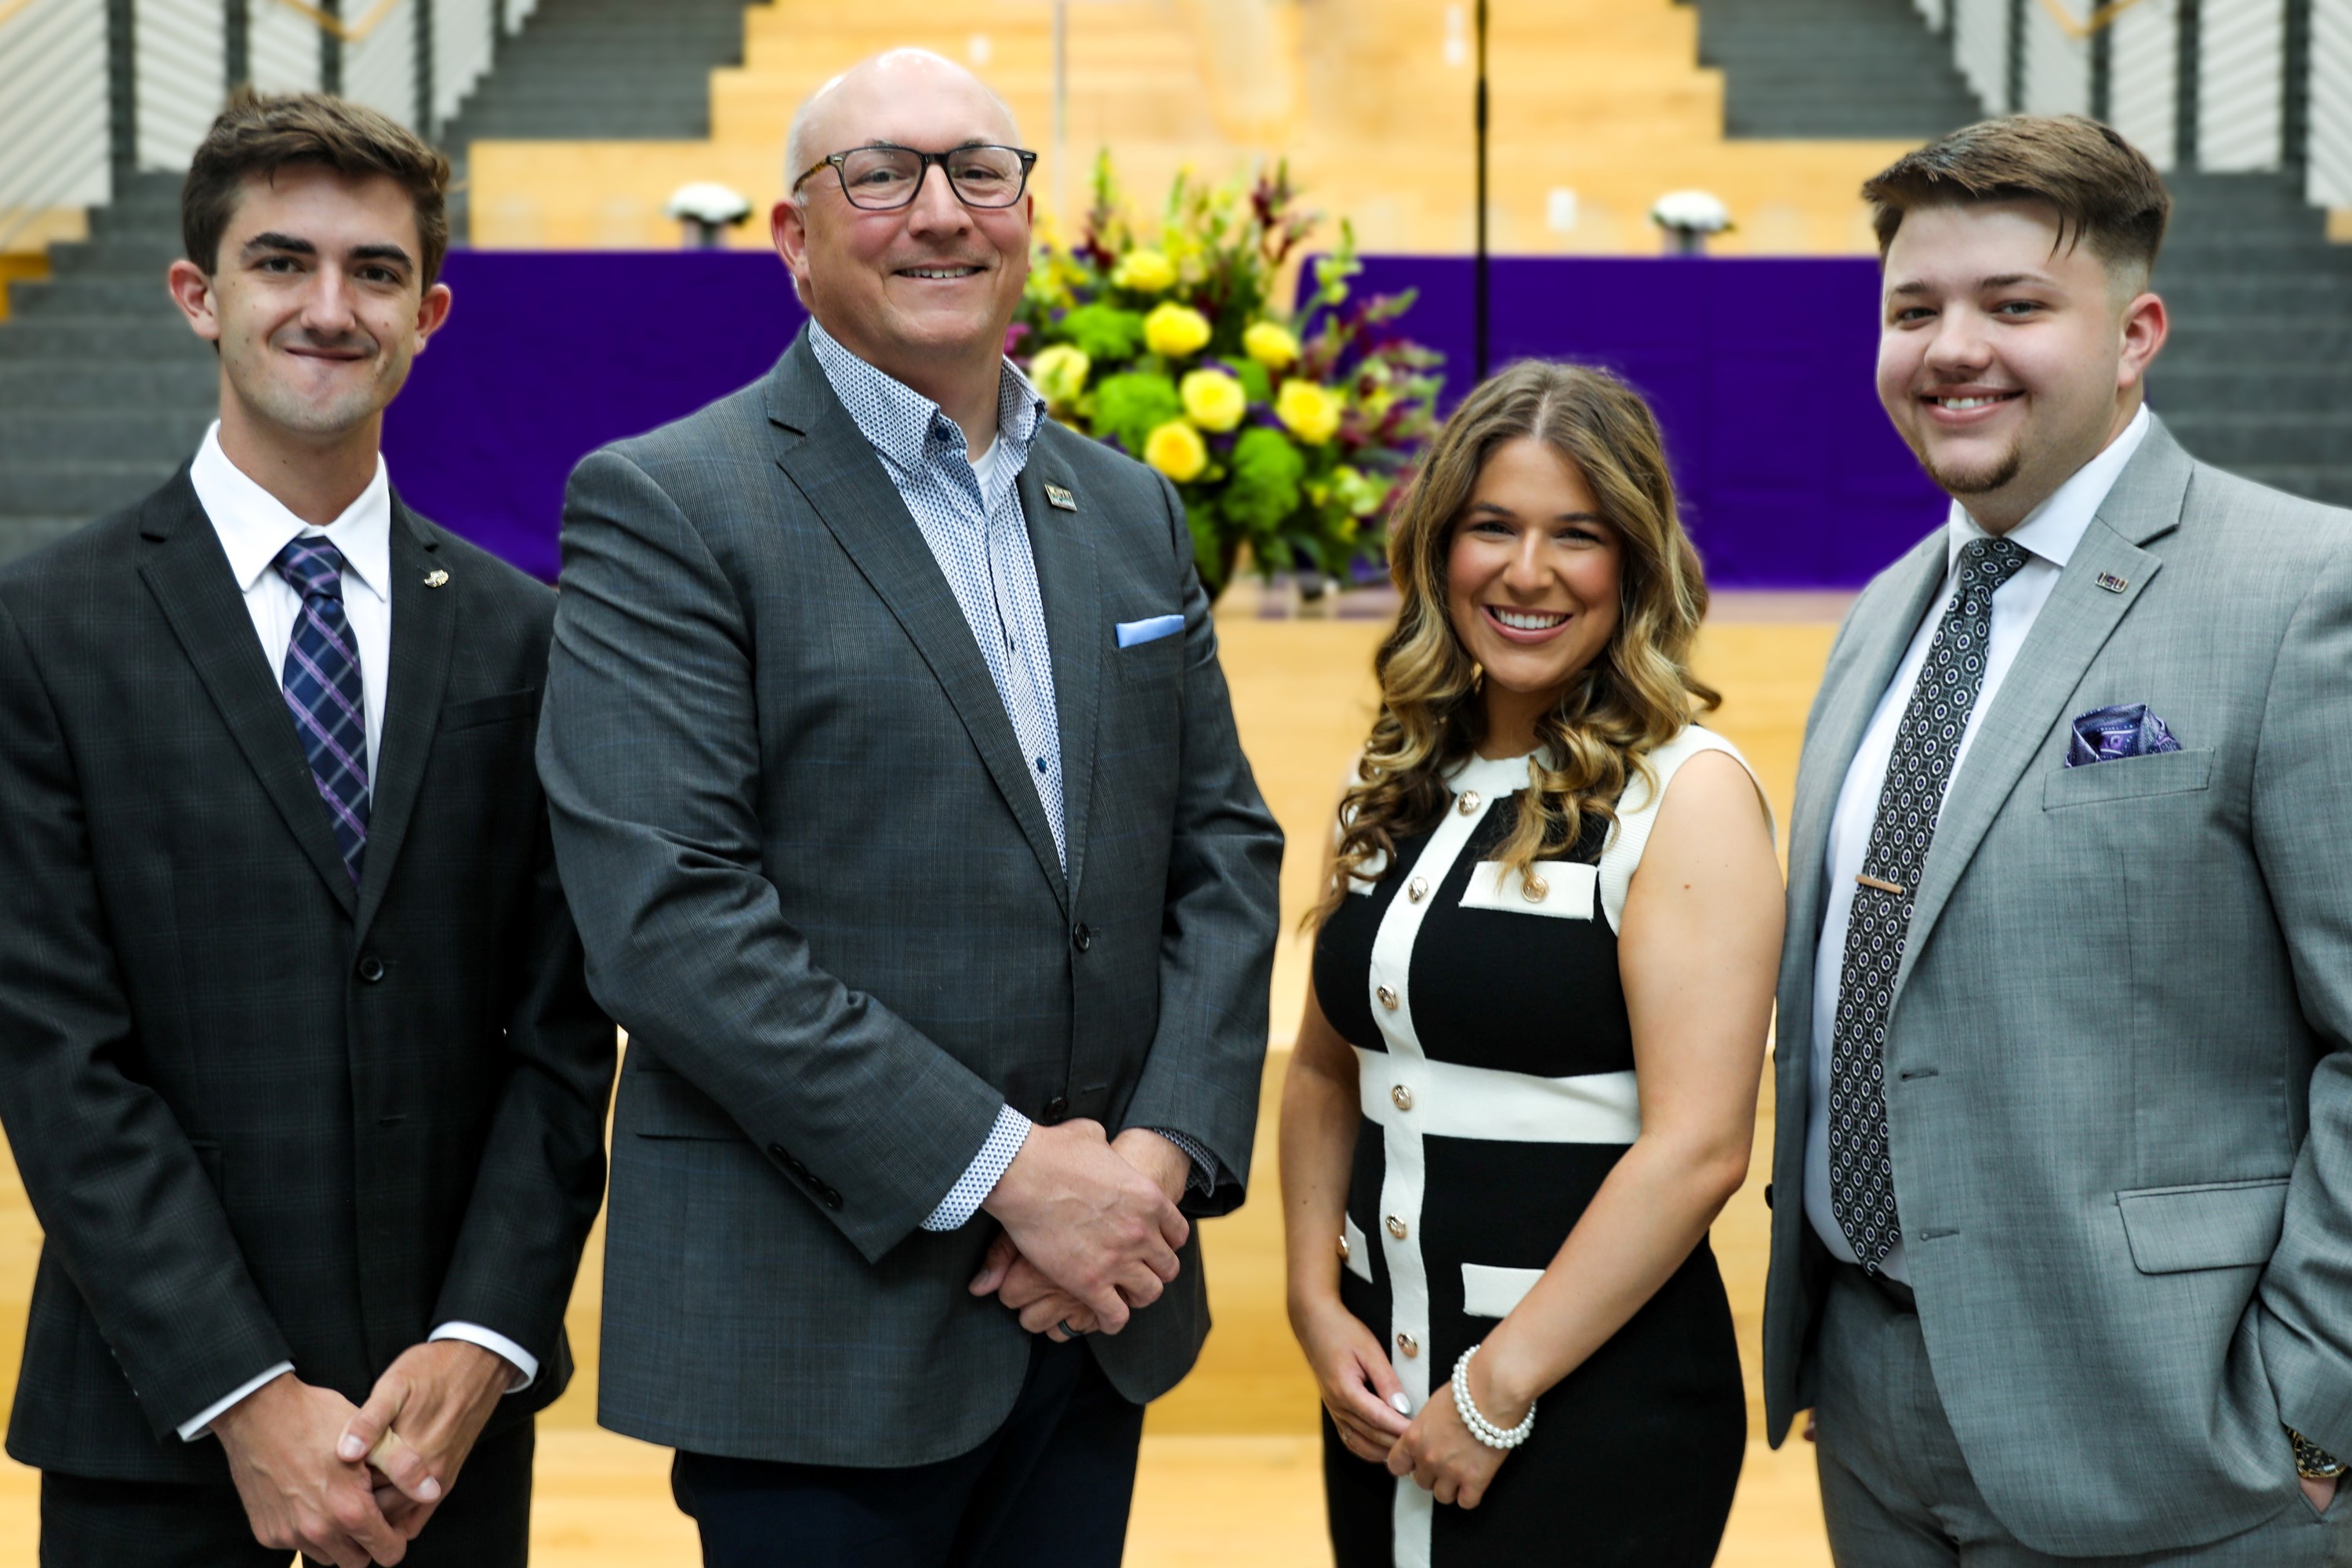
(141, 255)
(135, 435)
(93, 294)
(118, 384)
(21, 535)
(65, 489)
(2318, 385)
(80, 338)
(2270, 437)
(2328, 483)
(2242, 294)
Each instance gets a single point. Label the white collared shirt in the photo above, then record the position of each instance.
(2048, 535)
(253, 526)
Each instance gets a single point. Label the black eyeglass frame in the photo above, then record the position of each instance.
(922, 172)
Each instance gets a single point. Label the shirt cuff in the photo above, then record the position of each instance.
(526, 1364)
(1204, 1165)
(987, 1168)
(200, 1424)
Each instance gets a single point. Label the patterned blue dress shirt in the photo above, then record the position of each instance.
(970, 515)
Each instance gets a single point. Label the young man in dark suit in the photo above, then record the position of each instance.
(297, 1057)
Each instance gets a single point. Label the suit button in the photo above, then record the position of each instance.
(776, 1152)
(795, 1166)
(1411, 1346)
(1398, 1229)
(832, 1198)
(1081, 938)
(371, 968)
(1388, 998)
(1768, 1195)
(1055, 1109)
(1417, 889)
(1400, 1097)
(1468, 804)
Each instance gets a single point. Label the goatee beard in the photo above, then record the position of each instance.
(1975, 481)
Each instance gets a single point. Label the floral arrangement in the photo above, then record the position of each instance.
(1287, 431)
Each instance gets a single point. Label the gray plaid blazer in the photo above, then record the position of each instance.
(2118, 1085)
(817, 888)
(263, 1115)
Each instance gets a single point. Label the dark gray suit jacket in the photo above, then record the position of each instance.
(2117, 1079)
(264, 1116)
(817, 888)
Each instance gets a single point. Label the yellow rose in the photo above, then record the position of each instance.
(1145, 271)
(1270, 345)
(1173, 331)
(1059, 372)
(1308, 411)
(1177, 450)
(1213, 400)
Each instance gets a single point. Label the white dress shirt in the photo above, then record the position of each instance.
(2048, 536)
(254, 526)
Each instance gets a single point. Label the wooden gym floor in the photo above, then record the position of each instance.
(1230, 1468)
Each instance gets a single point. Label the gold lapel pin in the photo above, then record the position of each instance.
(1060, 499)
(436, 578)
(2111, 583)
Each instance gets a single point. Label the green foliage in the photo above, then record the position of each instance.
(1232, 253)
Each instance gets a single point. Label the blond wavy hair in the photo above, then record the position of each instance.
(1635, 694)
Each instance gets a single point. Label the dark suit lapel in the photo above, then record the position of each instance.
(424, 626)
(190, 577)
(2077, 622)
(1067, 583)
(822, 453)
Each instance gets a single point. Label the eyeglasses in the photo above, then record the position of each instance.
(882, 177)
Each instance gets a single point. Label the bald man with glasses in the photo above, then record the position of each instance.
(910, 838)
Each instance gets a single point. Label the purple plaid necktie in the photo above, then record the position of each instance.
(324, 694)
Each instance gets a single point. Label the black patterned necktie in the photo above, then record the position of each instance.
(1861, 1171)
(325, 694)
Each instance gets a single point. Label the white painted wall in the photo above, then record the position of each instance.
(2240, 90)
(1981, 48)
(53, 57)
(2143, 80)
(2057, 67)
(2331, 103)
(182, 65)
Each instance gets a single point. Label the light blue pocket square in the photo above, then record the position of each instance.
(1131, 632)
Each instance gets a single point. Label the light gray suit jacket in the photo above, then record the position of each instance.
(2116, 1080)
(816, 886)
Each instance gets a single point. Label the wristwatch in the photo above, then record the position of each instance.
(2312, 1462)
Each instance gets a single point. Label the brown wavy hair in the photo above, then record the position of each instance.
(1635, 694)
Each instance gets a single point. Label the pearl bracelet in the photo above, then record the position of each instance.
(1486, 1431)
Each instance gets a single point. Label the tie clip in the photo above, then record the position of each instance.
(1882, 887)
(1060, 500)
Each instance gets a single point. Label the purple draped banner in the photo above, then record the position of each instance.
(1761, 371)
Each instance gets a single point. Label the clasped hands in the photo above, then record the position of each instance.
(1360, 1390)
(1091, 1227)
(353, 1485)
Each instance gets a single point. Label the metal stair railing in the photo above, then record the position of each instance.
(53, 111)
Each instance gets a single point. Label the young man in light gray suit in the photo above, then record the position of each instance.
(2063, 1245)
(897, 784)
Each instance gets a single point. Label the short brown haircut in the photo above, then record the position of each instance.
(2106, 190)
(258, 135)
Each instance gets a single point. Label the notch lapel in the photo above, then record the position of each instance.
(2057, 653)
(424, 626)
(190, 577)
(827, 458)
(1071, 590)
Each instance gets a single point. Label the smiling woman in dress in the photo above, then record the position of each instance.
(1526, 1081)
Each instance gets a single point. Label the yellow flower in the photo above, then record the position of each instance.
(1177, 450)
(1173, 331)
(1308, 411)
(1145, 271)
(1270, 345)
(1059, 372)
(1213, 400)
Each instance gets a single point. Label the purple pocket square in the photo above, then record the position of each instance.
(2127, 729)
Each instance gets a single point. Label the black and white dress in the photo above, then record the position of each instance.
(1497, 1091)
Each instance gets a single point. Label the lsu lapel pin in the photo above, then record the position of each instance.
(436, 578)
(2111, 583)
(1060, 500)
